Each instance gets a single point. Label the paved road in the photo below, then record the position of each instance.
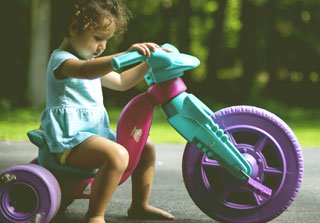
(169, 191)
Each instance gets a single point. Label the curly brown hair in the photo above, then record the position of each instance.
(88, 14)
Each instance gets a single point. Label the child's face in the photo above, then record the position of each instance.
(92, 42)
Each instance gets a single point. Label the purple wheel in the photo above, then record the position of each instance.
(274, 154)
(28, 193)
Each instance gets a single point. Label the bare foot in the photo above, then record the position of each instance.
(95, 219)
(149, 212)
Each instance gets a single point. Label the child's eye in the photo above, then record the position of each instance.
(98, 38)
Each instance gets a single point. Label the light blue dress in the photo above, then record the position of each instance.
(74, 108)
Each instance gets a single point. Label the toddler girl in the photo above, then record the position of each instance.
(75, 122)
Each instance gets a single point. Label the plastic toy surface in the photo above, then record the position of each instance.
(241, 164)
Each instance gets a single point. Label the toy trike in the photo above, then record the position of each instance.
(241, 164)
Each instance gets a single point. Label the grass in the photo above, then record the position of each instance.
(15, 124)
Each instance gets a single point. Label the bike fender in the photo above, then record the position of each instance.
(133, 129)
(192, 119)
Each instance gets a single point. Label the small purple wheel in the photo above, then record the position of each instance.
(28, 193)
(274, 153)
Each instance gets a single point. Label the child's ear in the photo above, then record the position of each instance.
(72, 29)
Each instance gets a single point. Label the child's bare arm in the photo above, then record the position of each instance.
(101, 66)
(130, 77)
(90, 69)
(125, 80)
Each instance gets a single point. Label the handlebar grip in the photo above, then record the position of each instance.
(127, 59)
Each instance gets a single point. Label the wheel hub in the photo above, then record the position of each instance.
(257, 162)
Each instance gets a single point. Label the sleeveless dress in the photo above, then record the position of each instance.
(74, 108)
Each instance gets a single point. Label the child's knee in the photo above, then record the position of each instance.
(149, 152)
(119, 159)
(124, 156)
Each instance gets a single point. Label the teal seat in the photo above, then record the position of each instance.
(48, 160)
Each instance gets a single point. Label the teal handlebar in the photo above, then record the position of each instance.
(127, 59)
(163, 64)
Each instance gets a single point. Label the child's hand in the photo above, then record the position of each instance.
(144, 48)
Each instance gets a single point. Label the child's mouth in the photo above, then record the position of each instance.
(96, 54)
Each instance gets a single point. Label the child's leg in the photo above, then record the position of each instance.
(142, 179)
(112, 159)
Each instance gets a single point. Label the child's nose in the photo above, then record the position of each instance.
(102, 45)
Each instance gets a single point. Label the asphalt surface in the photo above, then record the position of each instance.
(169, 192)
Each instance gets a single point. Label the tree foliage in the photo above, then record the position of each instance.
(251, 50)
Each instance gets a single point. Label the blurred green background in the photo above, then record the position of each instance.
(256, 52)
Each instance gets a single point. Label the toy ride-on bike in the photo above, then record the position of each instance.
(241, 164)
